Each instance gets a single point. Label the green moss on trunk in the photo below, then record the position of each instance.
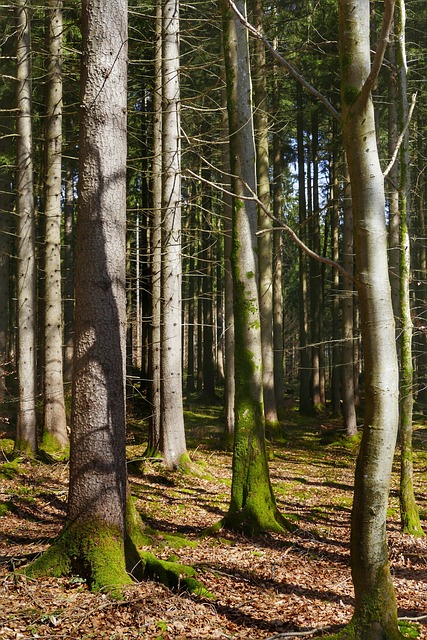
(91, 550)
(53, 447)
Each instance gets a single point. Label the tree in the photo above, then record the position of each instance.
(265, 239)
(375, 614)
(173, 445)
(95, 542)
(252, 506)
(25, 441)
(54, 436)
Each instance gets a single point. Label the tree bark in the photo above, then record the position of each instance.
(173, 443)
(54, 434)
(375, 614)
(26, 288)
(265, 223)
(252, 506)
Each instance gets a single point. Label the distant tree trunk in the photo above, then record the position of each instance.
(54, 434)
(252, 507)
(265, 223)
(335, 254)
(156, 246)
(173, 443)
(318, 386)
(408, 508)
(219, 306)
(375, 614)
(6, 204)
(278, 345)
(26, 294)
(347, 304)
(68, 294)
(190, 383)
(229, 390)
(206, 258)
(305, 403)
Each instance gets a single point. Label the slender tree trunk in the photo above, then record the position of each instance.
(347, 304)
(305, 404)
(54, 435)
(265, 223)
(68, 294)
(156, 245)
(252, 507)
(408, 508)
(375, 614)
(26, 295)
(173, 443)
(229, 391)
(206, 258)
(335, 251)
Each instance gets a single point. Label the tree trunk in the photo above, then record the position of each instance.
(252, 507)
(347, 305)
(26, 295)
(173, 443)
(375, 614)
(335, 253)
(305, 404)
(68, 294)
(54, 434)
(265, 223)
(408, 508)
(156, 246)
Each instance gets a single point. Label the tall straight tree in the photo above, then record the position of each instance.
(408, 507)
(265, 239)
(26, 277)
(252, 506)
(375, 614)
(54, 435)
(173, 445)
(95, 541)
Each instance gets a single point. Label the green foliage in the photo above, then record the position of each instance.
(9, 470)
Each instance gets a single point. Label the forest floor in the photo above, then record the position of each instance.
(266, 587)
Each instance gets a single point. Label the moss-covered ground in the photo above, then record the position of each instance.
(264, 587)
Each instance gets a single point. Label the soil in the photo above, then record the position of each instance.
(274, 586)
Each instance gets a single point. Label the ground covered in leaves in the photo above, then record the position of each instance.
(270, 587)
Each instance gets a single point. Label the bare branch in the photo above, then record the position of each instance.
(383, 41)
(401, 137)
(280, 224)
(285, 63)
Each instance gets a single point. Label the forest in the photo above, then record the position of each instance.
(213, 335)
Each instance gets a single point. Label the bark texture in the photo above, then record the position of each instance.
(375, 614)
(26, 278)
(54, 436)
(252, 506)
(173, 443)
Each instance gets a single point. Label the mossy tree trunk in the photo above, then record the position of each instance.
(408, 508)
(265, 239)
(94, 542)
(252, 506)
(375, 614)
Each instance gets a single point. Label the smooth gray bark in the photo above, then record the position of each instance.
(375, 614)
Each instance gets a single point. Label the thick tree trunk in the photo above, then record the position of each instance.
(26, 286)
(173, 443)
(54, 434)
(252, 507)
(375, 614)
